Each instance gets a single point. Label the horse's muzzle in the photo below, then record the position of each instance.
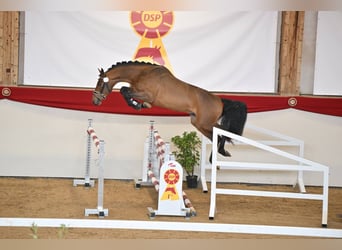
(96, 101)
(97, 98)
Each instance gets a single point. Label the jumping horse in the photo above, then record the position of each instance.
(152, 84)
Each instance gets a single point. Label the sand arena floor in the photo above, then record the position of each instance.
(57, 198)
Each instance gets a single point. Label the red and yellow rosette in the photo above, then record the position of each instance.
(151, 26)
(171, 178)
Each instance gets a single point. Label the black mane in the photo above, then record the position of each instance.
(124, 63)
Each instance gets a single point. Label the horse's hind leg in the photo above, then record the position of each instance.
(220, 146)
(233, 120)
(207, 130)
(221, 140)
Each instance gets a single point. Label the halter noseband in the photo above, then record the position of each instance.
(99, 94)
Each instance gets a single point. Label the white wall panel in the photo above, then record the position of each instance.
(219, 51)
(328, 54)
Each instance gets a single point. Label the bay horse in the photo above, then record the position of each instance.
(152, 84)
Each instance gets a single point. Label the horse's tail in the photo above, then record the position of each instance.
(234, 115)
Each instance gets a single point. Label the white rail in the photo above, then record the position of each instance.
(173, 226)
(303, 165)
(280, 140)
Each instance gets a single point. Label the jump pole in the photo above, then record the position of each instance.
(87, 182)
(99, 144)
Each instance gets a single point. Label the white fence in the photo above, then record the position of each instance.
(302, 165)
(280, 140)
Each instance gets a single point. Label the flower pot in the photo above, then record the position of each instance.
(192, 181)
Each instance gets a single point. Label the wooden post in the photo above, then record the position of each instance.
(9, 47)
(291, 52)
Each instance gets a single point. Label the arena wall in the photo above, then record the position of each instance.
(50, 142)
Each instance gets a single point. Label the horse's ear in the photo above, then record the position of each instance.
(101, 71)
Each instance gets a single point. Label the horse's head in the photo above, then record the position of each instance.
(102, 88)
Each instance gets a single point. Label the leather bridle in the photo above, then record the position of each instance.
(99, 94)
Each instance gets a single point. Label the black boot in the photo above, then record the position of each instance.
(133, 103)
(125, 91)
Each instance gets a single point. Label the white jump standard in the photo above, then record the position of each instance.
(170, 195)
(100, 211)
(87, 182)
(166, 175)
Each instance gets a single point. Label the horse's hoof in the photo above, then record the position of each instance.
(147, 105)
(224, 152)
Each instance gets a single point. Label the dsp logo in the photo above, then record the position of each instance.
(152, 26)
(152, 18)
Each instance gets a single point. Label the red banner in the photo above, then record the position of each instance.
(81, 99)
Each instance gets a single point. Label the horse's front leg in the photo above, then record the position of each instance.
(128, 96)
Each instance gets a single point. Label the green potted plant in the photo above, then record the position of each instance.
(187, 154)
